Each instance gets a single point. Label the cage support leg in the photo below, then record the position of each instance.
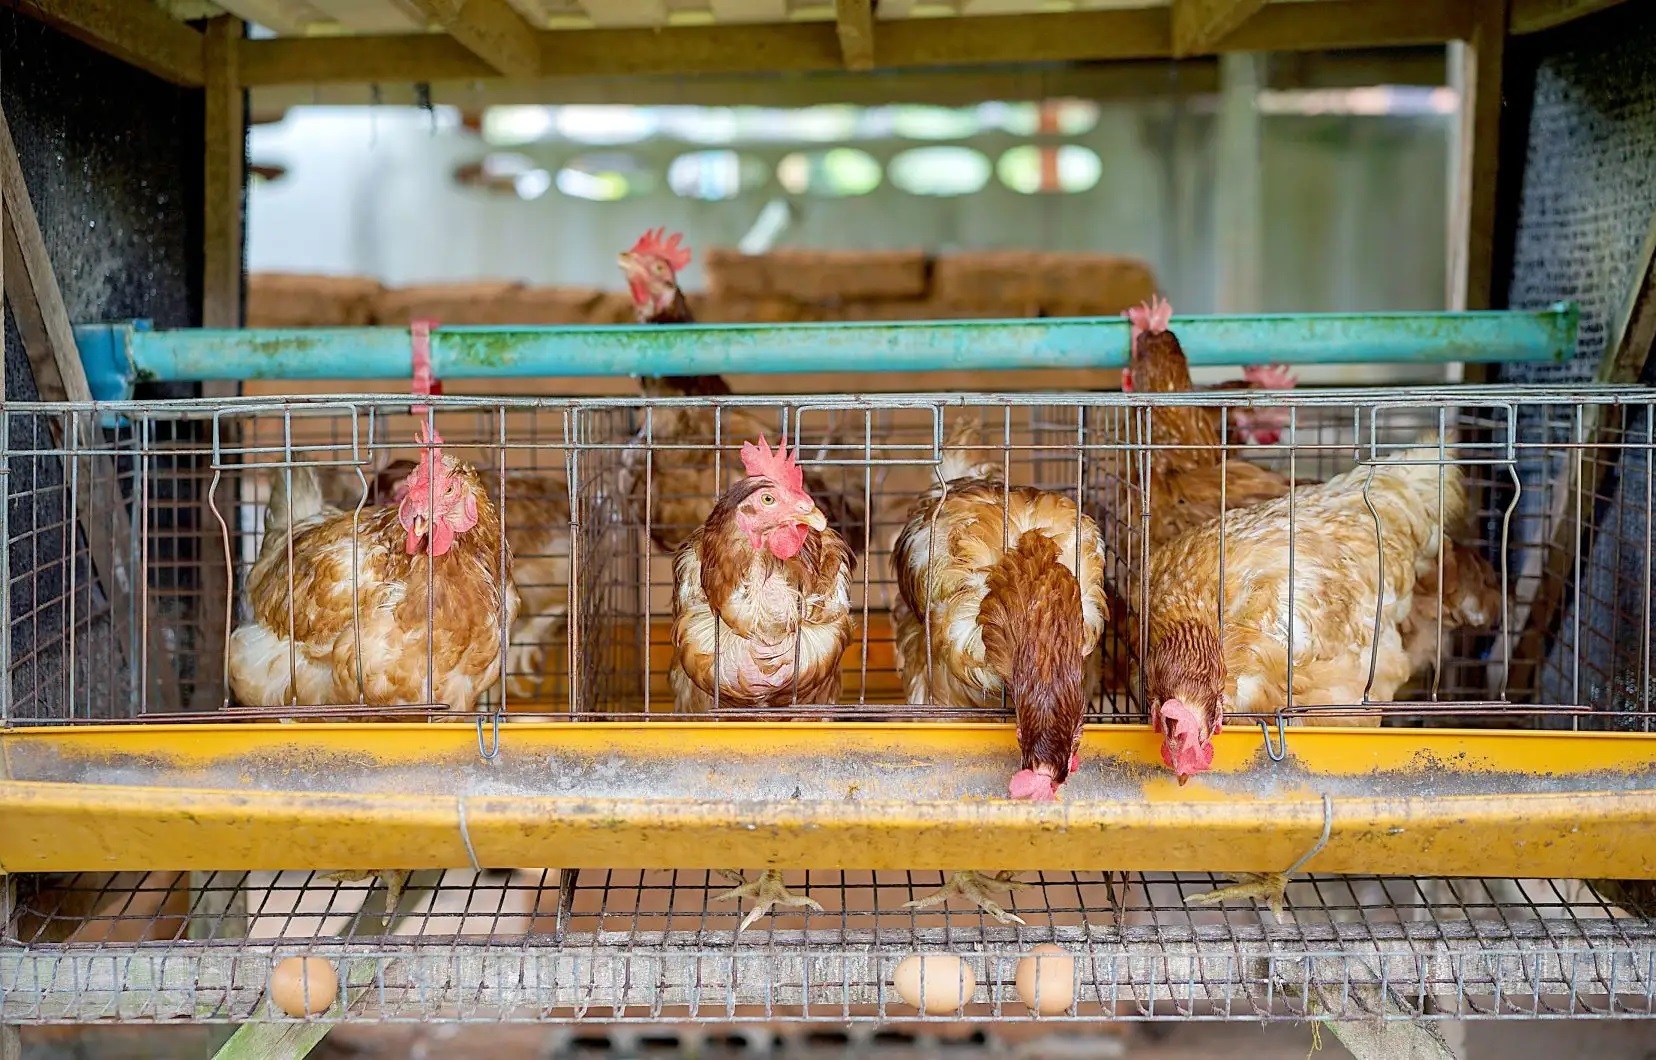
(11, 1041)
(272, 1041)
(1391, 1039)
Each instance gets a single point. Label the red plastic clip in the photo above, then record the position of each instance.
(425, 384)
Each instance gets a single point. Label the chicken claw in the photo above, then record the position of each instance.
(767, 892)
(1269, 887)
(975, 886)
(394, 879)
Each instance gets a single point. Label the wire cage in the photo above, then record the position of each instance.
(132, 530)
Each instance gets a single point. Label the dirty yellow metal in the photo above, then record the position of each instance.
(815, 795)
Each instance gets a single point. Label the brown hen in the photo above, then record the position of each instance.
(678, 469)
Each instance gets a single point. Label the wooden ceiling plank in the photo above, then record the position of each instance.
(626, 14)
(137, 33)
(492, 30)
(737, 12)
(373, 16)
(1140, 33)
(1534, 16)
(854, 24)
(1198, 25)
(274, 15)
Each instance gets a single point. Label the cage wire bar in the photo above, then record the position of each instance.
(1561, 512)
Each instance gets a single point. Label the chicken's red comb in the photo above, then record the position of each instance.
(422, 438)
(656, 243)
(1153, 316)
(778, 465)
(1033, 786)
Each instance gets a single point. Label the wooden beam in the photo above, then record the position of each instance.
(134, 32)
(1478, 141)
(854, 23)
(49, 342)
(1121, 80)
(1134, 33)
(492, 30)
(1533, 16)
(1199, 25)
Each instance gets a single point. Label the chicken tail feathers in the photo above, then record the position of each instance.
(964, 442)
(291, 505)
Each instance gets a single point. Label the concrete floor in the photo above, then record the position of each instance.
(1556, 1040)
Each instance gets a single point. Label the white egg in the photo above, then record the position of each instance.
(1046, 980)
(937, 983)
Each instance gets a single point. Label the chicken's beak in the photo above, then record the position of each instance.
(421, 525)
(629, 262)
(815, 520)
(1184, 778)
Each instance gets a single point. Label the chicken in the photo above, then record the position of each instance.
(1260, 425)
(388, 606)
(674, 464)
(761, 611)
(1353, 593)
(1471, 598)
(1001, 593)
(1185, 484)
(537, 530)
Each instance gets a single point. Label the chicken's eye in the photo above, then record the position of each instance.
(767, 499)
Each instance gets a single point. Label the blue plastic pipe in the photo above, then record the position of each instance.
(134, 353)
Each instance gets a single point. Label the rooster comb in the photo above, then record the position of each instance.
(778, 465)
(656, 243)
(1152, 316)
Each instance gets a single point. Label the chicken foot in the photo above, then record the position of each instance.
(767, 892)
(975, 887)
(394, 879)
(1268, 887)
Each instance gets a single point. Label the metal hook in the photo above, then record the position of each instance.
(494, 720)
(465, 831)
(1322, 840)
(1280, 751)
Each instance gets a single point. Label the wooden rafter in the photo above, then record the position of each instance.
(1199, 25)
(1143, 33)
(134, 32)
(1533, 16)
(492, 30)
(854, 24)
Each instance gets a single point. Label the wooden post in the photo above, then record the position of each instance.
(221, 307)
(1476, 68)
(1239, 189)
(221, 911)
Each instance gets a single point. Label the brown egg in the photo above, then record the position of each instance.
(303, 986)
(937, 983)
(1047, 975)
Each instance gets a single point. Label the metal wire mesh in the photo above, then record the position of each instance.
(653, 945)
(589, 489)
(595, 494)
